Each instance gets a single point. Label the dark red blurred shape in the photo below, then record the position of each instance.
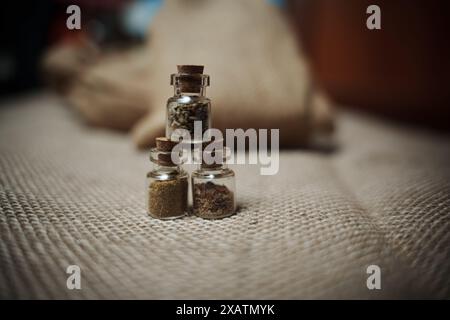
(401, 70)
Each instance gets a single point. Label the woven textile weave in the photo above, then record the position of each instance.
(74, 195)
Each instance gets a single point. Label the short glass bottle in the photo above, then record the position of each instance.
(213, 191)
(167, 187)
(188, 104)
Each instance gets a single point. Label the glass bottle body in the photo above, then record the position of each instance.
(167, 192)
(183, 111)
(213, 192)
(188, 106)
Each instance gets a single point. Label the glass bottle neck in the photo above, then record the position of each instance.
(167, 169)
(189, 84)
(180, 91)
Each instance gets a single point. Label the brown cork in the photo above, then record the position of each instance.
(190, 77)
(190, 69)
(164, 144)
(211, 166)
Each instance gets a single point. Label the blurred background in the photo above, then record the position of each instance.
(77, 104)
(400, 72)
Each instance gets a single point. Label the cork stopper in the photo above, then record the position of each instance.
(163, 151)
(190, 69)
(165, 144)
(190, 77)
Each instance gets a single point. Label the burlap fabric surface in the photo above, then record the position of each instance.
(73, 195)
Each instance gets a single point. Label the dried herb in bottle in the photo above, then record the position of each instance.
(212, 201)
(189, 103)
(184, 115)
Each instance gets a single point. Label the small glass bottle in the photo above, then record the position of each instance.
(167, 184)
(213, 189)
(188, 103)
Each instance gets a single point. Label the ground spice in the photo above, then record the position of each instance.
(168, 198)
(212, 201)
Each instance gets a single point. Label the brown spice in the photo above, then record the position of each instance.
(168, 198)
(212, 201)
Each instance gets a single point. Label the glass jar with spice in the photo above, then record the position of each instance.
(189, 103)
(213, 187)
(167, 183)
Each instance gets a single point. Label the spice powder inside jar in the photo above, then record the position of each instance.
(167, 196)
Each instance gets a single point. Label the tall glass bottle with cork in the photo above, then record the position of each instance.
(167, 183)
(189, 103)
